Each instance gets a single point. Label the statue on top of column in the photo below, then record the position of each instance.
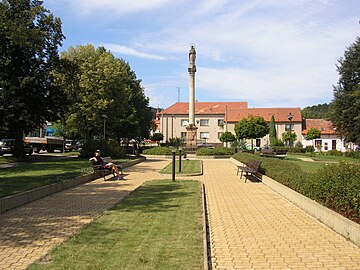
(192, 58)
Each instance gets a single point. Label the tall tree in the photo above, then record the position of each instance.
(345, 107)
(29, 39)
(252, 127)
(101, 86)
(272, 131)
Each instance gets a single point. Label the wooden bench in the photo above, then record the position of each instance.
(251, 167)
(99, 171)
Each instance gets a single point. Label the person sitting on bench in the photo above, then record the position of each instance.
(99, 161)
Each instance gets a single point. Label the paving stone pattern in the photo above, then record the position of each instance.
(28, 232)
(252, 227)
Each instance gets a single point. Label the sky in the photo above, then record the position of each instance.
(270, 53)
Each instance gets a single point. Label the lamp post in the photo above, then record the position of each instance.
(290, 117)
(104, 116)
(173, 164)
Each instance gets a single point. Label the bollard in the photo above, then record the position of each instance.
(179, 160)
(173, 165)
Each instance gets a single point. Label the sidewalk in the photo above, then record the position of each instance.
(28, 232)
(252, 227)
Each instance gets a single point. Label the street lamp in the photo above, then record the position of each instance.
(290, 117)
(104, 116)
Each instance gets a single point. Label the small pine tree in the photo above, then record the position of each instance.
(272, 132)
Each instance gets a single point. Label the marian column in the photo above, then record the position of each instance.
(191, 127)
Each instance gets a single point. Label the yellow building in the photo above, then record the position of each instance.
(214, 118)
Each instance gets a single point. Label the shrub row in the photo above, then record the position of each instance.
(220, 151)
(159, 150)
(352, 154)
(107, 147)
(307, 149)
(336, 186)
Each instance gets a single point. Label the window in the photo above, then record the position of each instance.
(184, 122)
(220, 122)
(333, 144)
(326, 146)
(318, 143)
(258, 142)
(204, 135)
(219, 134)
(204, 122)
(183, 135)
(288, 127)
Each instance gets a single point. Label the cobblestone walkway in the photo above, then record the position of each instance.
(252, 227)
(27, 233)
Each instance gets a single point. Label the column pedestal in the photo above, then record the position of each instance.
(191, 137)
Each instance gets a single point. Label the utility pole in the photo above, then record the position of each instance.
(178, 88)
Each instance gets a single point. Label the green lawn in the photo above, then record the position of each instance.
(37, 174)
(187, 167)
(159, 226)
(308, 166)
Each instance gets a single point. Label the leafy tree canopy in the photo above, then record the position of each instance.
(289, 136)
(345, 107)
(251, 127)
(312, 134)
(157, 137)
(29, 39)
(101, 87)
(227, 136)
(320, 111)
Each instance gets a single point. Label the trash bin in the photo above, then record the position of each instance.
(235, 150)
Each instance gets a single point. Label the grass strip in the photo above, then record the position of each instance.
(28, 176)
(159, 226)
(187, 167)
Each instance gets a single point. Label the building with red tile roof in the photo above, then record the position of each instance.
(213, 118)
(325, 126)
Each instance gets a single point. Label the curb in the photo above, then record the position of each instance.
(341, 225)
(11, 202)
(206, 233)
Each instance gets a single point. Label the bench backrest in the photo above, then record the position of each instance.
(254, 164)
(267, 151)
(107, 159)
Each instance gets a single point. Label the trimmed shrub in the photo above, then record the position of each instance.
(108, 148)
(337, 186)
(353, 154)
(309, 149)
(296, 150)
(220, 151)
(160, 150)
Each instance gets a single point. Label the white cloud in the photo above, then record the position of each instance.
(87, 7)
(115, 48)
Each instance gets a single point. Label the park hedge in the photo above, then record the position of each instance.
(335, 185)
(159, 150)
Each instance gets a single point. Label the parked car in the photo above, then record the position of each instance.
(249, 147)
(7, 147)
(205, 145)
(70, 145)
